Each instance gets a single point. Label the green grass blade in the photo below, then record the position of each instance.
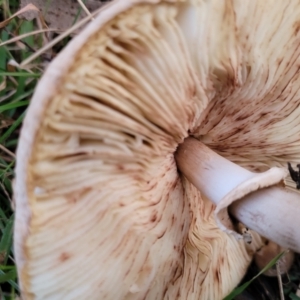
(241, 288)
(7, 268)
(26, 27)
(19, 74)
(6, 240)
(11, 129)
(11, 143)
(3, 60)
(78, 13)
(20, 97)
(3, 216)
(13, 105)
(14, 284)
(294, 297)
(5, 277)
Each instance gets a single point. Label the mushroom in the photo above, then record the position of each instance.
(263, 211)
(268, 252)
(101, 209)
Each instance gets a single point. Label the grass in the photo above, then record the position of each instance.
(16, 88)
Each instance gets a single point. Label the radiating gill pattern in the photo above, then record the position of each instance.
(103, 183)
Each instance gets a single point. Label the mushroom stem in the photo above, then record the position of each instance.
(271, 211)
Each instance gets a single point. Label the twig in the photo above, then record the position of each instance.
(22, 36)
(7, 151)
(85, 8)
(20, 41)
(5, 192)
(59, 38)
(279, 281)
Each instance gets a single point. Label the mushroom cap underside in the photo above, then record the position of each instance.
(97, 188)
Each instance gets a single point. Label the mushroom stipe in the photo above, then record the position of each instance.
(255, 199)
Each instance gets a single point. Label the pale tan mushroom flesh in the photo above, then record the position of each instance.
(101, 209)
(268, 252)
(224, 183)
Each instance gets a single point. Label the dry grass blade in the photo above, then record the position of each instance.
(279, 281)
(29, 7)
(25, 35)
(3, 85)
(7, 96)
(84, 8)
(7, 151)
(59, 38)
(5, 192)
